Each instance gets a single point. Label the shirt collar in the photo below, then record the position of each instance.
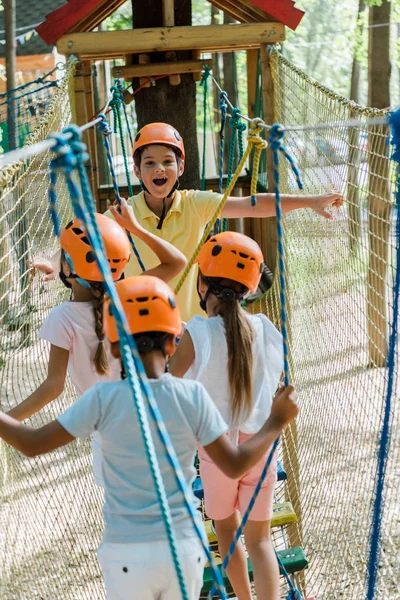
(145, 212)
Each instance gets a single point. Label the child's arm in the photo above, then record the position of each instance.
(30, 441)
(235, 461)
(236, 207)
(183, 357)
(49, 390)
(172, 261)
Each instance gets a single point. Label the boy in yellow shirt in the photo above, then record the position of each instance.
(180, 216)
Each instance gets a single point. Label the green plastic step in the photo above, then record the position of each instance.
(293, 559)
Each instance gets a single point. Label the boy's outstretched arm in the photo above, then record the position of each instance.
(172, 261)
(237, 207)
(30, 441)
(235, 461)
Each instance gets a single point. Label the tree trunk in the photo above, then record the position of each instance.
(379, 203)
(353, 191)
(162, 102)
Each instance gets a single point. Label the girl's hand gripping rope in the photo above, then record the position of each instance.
(124, 215)
(45, 266)
(284, 407)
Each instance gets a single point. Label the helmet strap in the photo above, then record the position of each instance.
(223, 293)
(163, 214)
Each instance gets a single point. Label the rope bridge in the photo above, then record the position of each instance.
(339, 278)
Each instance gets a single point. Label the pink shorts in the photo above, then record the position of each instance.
(223, 496)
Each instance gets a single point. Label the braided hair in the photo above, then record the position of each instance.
(100, 360)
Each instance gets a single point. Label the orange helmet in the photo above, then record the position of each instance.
(75, 242)
(149, 305)
(231, 255)
(159, 133)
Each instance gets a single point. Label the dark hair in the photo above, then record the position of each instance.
(137, 157)
(151, 340)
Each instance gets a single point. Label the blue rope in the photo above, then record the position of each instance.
(121, 90)
(106, 130)
(45, 87)
(135, 368)
(84, 209)
(25, 85)
(377, 513)
(224, 108)
(204, 82)
(276, 134)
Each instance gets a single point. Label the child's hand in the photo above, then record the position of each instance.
(320, 203)
(125, 216)
(44, 265)
(284, 406)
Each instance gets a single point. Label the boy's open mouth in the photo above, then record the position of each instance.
(160, 181)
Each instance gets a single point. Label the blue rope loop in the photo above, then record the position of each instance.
(276, 135)
(84, 209)
(384, 436)
(224, 108)
(106, 129)
(121, 90)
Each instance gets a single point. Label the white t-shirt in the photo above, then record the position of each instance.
(210, 367)
(131, 509)
(71, 326)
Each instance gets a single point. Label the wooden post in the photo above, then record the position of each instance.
(379, 202)
(252, 63)
(168, 7)
(266, 235)
(84, 106)
(379, 210)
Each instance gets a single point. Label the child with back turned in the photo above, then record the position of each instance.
(239, 359)
(134, 553)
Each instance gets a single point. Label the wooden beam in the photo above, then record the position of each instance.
(81, 86)
(166, 68)
(206, 38)
(252, 64)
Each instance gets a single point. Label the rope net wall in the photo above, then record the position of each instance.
(22, 108)
(340, 276)
(50, 509)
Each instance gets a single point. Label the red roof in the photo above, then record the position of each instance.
(76, 15)
(85, 15)
(284, 11)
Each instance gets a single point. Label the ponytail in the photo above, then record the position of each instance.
(239, 338)
(100, 360)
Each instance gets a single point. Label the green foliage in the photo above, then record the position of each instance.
(120, 19)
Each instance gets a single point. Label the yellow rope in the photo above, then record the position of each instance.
(259, 144)
(252, 140)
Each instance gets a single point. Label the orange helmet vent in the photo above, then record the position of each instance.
(74, 240)
(231, 255)
(149, 305)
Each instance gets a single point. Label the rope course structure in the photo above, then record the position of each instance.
(340, 298)
(24, 106)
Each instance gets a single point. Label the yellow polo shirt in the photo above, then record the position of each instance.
(183, 227)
